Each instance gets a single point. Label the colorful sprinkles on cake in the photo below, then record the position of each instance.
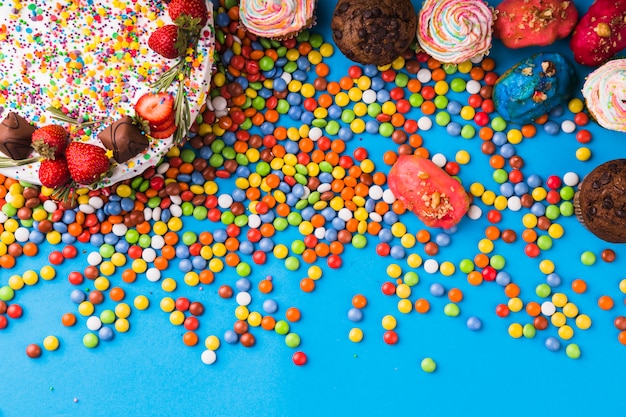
(275, 149)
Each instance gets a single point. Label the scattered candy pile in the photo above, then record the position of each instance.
(276, 148)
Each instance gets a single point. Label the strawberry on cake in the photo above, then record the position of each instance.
(127, 77)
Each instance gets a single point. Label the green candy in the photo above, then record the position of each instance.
(292, 340)
(280, 224)
(442, 118)
(243, 269)
(6, 293)
(529, 331)
(292, 263)
(283, 106)
(428, 365)
(187, 208)
(416, 99)
(294, 218)
(90, 340)
(187, 155)
(266, 63)
(401, 80)
(189, 238)
(451, 310)
(200, 213)
(468, 132)
(227, 217)
(359, 241)
(543, 290)
(145, 241)
(263, 168)
(241, 220)
(572, 351)
(298, 247)
(106, 250)
(386, 129)
(107, 316)
(411, 278)
(466, 266)
(316, 40)
(281, 327)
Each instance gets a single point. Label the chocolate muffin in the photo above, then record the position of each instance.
(373, 31)
(600, 202)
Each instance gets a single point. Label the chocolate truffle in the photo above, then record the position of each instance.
(124, 138)
(15, 136)
(600, 202)
(374, 31)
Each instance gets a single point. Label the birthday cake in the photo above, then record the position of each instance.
(90, 62)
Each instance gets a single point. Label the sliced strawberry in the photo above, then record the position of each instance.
(155, 108)
(428, 191)
(164, 134)
(164, 125)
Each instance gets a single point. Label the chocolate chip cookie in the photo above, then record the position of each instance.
(600, 202)
(373, 31)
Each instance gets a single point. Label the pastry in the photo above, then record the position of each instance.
(533, 87)
(277, 19)
(600, 202)
(605, 95)
(600, 33)
(435, 197)
(523, 23)
(373, 31)
(455, 31)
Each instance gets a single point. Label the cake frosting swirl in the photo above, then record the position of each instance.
(605, 95)
(276, 19)
(90, 60)
(454, 31)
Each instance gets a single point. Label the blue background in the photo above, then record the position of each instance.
(148, 371)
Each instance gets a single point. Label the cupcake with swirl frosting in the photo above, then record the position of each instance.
(455, 31)
(605, 95)
(277, 19)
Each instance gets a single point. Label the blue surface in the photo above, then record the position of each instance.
(148, 371)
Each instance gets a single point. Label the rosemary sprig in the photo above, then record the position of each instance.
(179, 72)
(65, 193)
(58, 114)
(8, 162)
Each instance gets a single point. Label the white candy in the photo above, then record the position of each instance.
(243, 298)
(431, 266)
(162, 169)
(439, 159)
(208, 357)
(571, 179)
(424, 75)
(86, 208)
(148, 255)
(21, 234)
(50, 206)
(176, 210)
(219, 103)
(320, 232)
(388, 196)
(344, 214)
(254, 221)
(474, 212)
(153, 274)
(472, 87)
(94, 258)
(514, 203)
(568, 126)
(369, 96)
(315, 133)
(176, 199)
(119, 229)
(323, 187)
(156, 213)
(548, 308)
(375, 217)
(376, 192)
(157, 242)
(424, 123)
(96, 202)
(94, 323)
(224, 201)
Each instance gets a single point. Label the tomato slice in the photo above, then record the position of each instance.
(435, 197)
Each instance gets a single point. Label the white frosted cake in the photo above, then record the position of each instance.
(91, 60)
